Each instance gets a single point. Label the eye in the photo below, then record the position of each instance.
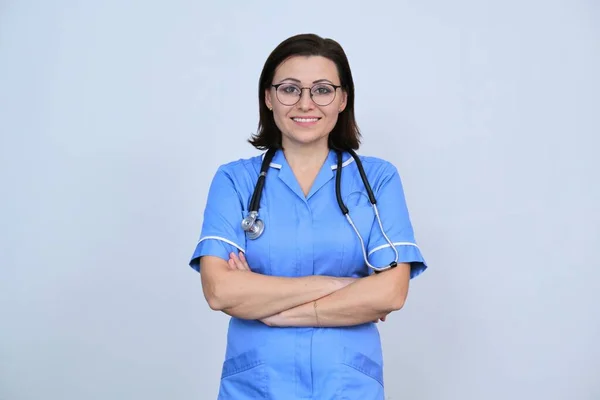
(289, 89)
(322, 89)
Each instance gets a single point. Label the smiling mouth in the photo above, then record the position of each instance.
(297, 119)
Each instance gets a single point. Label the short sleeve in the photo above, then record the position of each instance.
(396, 223)
(221, 230)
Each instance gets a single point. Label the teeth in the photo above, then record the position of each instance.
(305, 119)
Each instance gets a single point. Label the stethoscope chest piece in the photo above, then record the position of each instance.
(253, 226)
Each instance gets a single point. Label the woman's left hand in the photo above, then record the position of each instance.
(238, 263)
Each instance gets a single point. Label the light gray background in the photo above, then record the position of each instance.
(115, 115)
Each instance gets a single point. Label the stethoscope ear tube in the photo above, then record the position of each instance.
(260, 183)
(363, 176)
(338, 184)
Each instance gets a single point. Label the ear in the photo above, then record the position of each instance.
(268, 101)
(344, 101)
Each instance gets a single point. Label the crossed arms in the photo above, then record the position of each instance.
(315, 300)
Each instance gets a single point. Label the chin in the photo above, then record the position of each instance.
(308, 139)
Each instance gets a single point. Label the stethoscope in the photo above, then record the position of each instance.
(254, 227)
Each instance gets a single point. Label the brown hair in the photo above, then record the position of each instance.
(345, 134)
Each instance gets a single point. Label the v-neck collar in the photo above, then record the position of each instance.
(326, 173)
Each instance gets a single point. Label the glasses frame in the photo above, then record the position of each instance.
(335, 88)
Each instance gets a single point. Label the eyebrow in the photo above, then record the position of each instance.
(298, 81)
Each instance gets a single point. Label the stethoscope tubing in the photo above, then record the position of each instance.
(254, 227)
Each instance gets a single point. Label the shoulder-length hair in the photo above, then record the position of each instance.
(345, 135)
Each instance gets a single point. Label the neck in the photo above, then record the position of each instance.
(302, 158)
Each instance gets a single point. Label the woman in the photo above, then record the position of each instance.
(304, 295)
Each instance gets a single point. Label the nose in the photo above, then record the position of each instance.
(305, 103)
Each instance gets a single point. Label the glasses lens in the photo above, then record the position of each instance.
(288, 94)
(323, 94)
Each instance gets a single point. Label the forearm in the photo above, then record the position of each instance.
(366, 300)
(249, 295)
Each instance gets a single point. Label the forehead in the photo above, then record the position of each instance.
(307, 69)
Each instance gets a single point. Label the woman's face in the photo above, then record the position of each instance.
(308, 122)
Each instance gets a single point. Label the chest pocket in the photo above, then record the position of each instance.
(257, 250)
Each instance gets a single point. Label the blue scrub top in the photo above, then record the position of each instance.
(306, 235)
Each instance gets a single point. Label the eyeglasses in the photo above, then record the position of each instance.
(289, 94)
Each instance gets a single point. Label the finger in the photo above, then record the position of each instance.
(236, 263)
(239, 263)
(244, 261)
(231, 264)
